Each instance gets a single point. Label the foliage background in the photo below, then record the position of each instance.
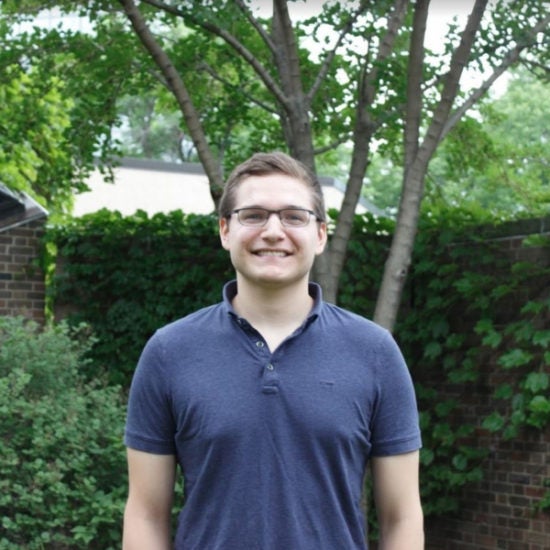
(125, 277)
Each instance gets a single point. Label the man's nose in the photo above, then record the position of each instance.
(273, 223)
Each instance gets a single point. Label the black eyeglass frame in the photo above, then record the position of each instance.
(278, 212)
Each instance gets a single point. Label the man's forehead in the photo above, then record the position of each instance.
(275, 187)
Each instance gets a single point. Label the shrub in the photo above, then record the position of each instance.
(62, 464)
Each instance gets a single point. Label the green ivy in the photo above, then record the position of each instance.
(127, 276)
(466, 305)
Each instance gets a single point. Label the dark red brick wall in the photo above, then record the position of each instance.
(22, 284)
(500, 512)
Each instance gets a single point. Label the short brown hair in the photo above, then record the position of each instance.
(264, 164)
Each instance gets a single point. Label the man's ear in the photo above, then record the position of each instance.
(224, 232)
(321, 238)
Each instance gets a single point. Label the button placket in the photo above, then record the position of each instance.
(270, 379)
(270, 376)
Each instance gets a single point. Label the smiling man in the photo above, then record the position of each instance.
(272, 402)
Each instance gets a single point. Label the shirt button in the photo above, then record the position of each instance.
(259, 344)
(270, 367)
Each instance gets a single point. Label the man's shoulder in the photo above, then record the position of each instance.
(338, 316)
(208, 317)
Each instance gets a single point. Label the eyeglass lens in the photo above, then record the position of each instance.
(290, 217)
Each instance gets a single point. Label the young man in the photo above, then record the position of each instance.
(272, 402)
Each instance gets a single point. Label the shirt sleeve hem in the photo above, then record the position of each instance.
(148, 446)
(397, 447)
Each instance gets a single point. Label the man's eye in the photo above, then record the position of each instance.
(253, 215)
(294, 216)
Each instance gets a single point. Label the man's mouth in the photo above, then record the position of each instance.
(274, 253)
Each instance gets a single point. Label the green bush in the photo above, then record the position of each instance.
(62, 461)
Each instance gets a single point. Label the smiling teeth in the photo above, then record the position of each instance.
(271, 253)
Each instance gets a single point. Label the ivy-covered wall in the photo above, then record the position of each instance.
(493, 387)
(474, 327)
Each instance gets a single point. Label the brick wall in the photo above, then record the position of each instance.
(500, 511)
(22, 286)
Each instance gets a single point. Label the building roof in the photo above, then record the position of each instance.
(18, 209)
(157, 186)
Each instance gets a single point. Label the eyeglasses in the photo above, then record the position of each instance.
(290, 217)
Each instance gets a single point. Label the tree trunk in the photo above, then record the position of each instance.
(177, 86)
(329, 267)
(417, 158)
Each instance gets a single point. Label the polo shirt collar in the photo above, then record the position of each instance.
(230, 291)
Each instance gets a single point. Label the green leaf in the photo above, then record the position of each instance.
(540, 405)
(483, 326)
(492, 339)
(542, 338)
(537, 382)
(433, 350)
(440, 328)
(504, 391)
(460, 462)
(443, 408)
(532, 307)
(426, 456)
(494, 422)
(516, 357)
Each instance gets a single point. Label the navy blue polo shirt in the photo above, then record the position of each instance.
(272, 446)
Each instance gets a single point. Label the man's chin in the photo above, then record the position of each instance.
(275, 281)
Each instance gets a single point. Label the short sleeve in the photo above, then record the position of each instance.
(394, 423)
(150, 423)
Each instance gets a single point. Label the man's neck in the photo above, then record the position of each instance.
(274, 312)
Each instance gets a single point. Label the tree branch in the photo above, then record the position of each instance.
(413, 109)
(295, 118)
(385, 49)
(207, 68)
(511, 57)
(181, 94)
(231, 41)
(256, 24)
(331, 146)
(451, 82)
(329, 58)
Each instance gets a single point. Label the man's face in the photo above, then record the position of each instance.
(273, 255)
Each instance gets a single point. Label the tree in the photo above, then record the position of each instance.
(58, 103)
(30, 156)
(493, 164)
(356, 73)
(373, 78)
(419, 150)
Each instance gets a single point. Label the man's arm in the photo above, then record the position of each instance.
(397, 499)
(147, 516)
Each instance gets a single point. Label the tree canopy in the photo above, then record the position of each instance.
(493, 164)
(33, 121)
